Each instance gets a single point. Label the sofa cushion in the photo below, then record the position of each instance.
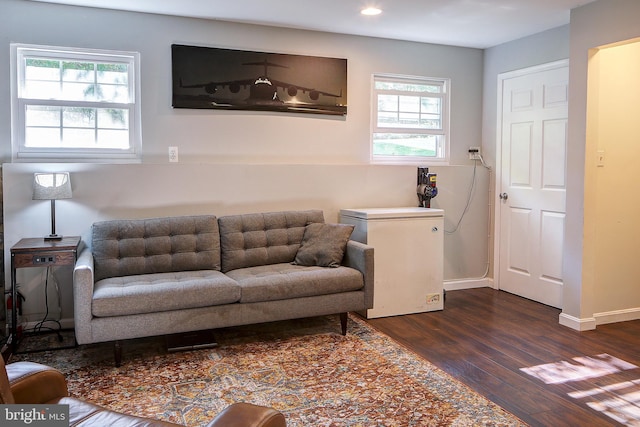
(263, 238)
(285, 281)
(323, 245)
(155, 245)
(148, 293)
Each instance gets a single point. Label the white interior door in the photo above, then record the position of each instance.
(530, 210)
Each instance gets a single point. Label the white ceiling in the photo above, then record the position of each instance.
(469, 23)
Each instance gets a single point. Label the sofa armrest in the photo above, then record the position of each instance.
(360, 256)
(248, 415)
(83, 280)
(35, 383)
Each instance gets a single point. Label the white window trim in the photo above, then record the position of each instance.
(446, 132)
(20, 153)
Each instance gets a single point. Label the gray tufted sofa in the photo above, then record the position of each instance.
(161, 276)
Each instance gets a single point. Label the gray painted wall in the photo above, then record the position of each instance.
(548, 46)
(545, 47)
(231, 161)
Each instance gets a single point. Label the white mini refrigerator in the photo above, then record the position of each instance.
(408, 257)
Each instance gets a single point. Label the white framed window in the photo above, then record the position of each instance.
(75, 104)
(410, 120)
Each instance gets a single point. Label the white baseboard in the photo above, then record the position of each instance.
(603, 318)
(617, 316)
(459, 284)
(572, 322)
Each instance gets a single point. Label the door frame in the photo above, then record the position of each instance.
(498, 156)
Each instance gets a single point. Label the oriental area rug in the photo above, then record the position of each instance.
(304, 368)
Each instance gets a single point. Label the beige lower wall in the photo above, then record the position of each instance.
(150, 190)
(611, 264)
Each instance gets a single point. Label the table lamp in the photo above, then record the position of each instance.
(52, 186)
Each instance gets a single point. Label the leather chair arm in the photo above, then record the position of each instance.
(86, 414)
(35, 383)
(248, 415)
(39, 384)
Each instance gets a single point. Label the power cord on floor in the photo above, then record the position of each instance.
(40, 326)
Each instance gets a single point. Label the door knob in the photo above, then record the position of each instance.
(504, 196)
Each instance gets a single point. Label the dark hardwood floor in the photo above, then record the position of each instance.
(484, 338)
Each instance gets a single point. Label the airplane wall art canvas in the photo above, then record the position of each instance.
(228, 79)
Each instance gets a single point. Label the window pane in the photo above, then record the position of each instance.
(387, 103)
(78, 72)
(40, 116)
(389, 144)
(78, 91)
(111, 118)
(42, 137)
(79, 117)
(410, 103)
(430, 121)
(42, 69)
(116, 139)
(113, 74)
(36, 89)
(78, 138)
(431, 105)
(410, 120)
(113, 93)
(387, 119)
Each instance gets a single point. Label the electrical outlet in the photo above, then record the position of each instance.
(433, 298)
(474, 153)
(173, 154)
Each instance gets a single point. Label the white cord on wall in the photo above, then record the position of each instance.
(466, 208)
(469, 197)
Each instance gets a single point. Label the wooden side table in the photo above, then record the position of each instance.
(37, 252)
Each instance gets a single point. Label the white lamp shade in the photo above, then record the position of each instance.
(51, 186)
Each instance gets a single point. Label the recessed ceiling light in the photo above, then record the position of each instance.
(371, 11)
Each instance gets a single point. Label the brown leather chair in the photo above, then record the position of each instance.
(27, 382)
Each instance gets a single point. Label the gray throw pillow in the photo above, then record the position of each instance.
(323, 244)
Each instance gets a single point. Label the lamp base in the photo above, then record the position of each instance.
(53, 237)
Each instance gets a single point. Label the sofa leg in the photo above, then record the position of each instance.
(117, 353)
(343, 322)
